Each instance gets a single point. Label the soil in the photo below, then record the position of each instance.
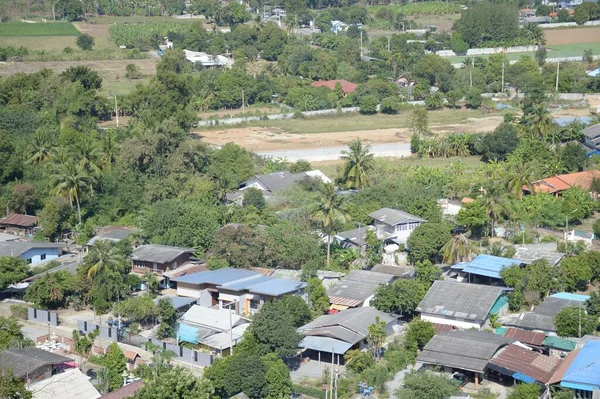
(572, 36)
(270, 139)
(95, 30)
(108, 69)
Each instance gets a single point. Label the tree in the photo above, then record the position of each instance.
(593, 304)
(230, 166)
(368, 105)
(317, 296)
(540, 55)
(11, 335)
(376, 336)
(328, 209)
(585, 12)
(85, 42)
(89, 79)
(55, 217)
(434, 100)
(563, 15)
(12, 270)
(175, 383)
(104, 257)
(390, 105)
(400, 297)
(254, 197)
(274, 330)
(458, 249)
(297, 308)
(23, 198)
(543, 10)
(419, 121)
(521, 175)
(243, 247)
(588, 57)
(358, 361)
(487, 22)
(358, 165)
(426, 385)
(140, 309)
(70, 180)
(473, 98)
(574, 273)
(569, 320)
(52, 290)
(525, 391)
(426, 242)
(498, 145)
(168, 319)
(132, 71)
(573, 157)
(278, 378)
(12, 387)
(453, 97)
(418, 334)
(116, 363)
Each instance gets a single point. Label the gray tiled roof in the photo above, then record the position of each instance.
(527, 255)
(592, 132)
(462, 300)
(393, 217)
(23, 361)
(359, 285)
(465, 350)
(17, 248)
(158, 253)
(542, 318)
(278, 180)
(112, 233)
(358, 236)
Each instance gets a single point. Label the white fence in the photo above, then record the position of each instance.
(567, 24)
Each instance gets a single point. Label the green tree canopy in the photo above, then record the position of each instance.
(175, 383)
(568, 321)
(426, 385)
(426, 242)
(116, 363)
(12, 270)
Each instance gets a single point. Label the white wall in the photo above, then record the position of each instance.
(451, 322)
(190, 291)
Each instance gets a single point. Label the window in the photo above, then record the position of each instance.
(254, 304)
(29, 261)
(43, 257)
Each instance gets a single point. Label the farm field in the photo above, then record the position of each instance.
(19, 29)
(572, 36)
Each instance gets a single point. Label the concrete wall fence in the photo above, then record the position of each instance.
(107, 333)
(42, 316)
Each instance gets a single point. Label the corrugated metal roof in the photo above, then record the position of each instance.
(177, 301)
(112, 233)
(217, 277)
(325, 344)
(487, 265)
(570, 297)
(542, 318)
(223, 340)
(517, 359)
(126, 391)
(394, 217)
(17, 248)
(585, 368)
(592, 132)
(357, 286)
(15, 219)
(212, 318)
(462, 300)
(528, 255)
(27, 360)
(158, 253)
(527, 337)
(71, 384)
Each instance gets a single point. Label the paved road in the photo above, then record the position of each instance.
(393, 385)
(398, 150)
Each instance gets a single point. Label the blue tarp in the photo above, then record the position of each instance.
(570, 297)
(584, 371)
(523, 377)
(487, 265)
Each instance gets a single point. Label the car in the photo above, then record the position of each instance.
(460, 378)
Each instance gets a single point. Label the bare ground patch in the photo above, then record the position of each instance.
(572, 36)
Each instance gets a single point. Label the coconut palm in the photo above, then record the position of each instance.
(40, 148)
(87, 153)
(327, 210)
(495, 207)
(359, 163)
(521, 175)
(458, 249)
(70, 180)
(540, 122)
(109, 154)
(105, 258)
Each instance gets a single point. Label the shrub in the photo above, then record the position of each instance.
(85, 42)
(390, 105)
(314, 392)
(19, 311)
(474, 98)
(132, 72)
(368, 105)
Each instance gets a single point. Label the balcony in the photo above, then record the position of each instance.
(144, 270)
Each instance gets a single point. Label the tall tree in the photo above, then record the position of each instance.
(317, 296)
(175, 383)
(105, 257)
(12, 270)
(328, 209)
(116, 363)
(358, 165)
(520, 175)
(376, 336)
(70, 180)
(458, 249)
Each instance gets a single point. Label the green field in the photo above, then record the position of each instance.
(14, 29)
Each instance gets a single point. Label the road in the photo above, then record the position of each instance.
(393, 385)
(398, 150)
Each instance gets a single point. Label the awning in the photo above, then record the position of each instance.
(338, 307)
(391, 248)
(522, 377)
(574, 385)
(500, 302)
(325, 344)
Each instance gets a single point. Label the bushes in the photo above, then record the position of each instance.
(314, 392)
(10, 52)
(390, 105)
(368, 105)
(19, 311)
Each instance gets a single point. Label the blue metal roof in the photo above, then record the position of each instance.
(564, 121)
(245, 284)
(488, 265)
(218, 277)
(523, 377)
(571, 297)
(584, 372)
(276, 287)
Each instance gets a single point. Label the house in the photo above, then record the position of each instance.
(20, 225)
(212, 329)
(397, 223)
(230, 287)
(464, 351)
(523, 364)
(33, 252)
(583, 372)
(591, 137)
(584, 236)
(338, 26)
(158, 259)
(207, 60)
(559, 183)
(542, 318)
(558, 347)
(358, 237)
(357, 289)
(347, 87)
(462, 305)
(484, 269)
(32, 364)
(70, 384)
(271, 183)
(533, 339)
(127, 391)
(404, 81)
(111, 233)
(397, 271)
(528, 253)
(180, 304)
(340, 332)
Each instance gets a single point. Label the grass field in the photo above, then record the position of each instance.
(122, 86)
(20, 29)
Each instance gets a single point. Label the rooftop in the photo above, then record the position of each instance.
(584, 371)
(542, 318)
(347, 87)
(213, 318)
(358, 236)
(462, 300)
(26, 360)
(486, 265)
(527, 254)
(15, 219)
(466, 350)
(277, 180)
(112, 233)
(126, 391)
(515, 359)
(177, 301)
(592, 132)
(357, 287)
(18, 248)
(394, 217)
(8, 237)
(526, 337)
(558, 183)
(398, 271)
(158, 253)
(71, 384)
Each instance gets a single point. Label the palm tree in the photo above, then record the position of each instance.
(328, 209)
(359, 163)
(87, 153)
(70, 180)
(40, 148)
(522, 175)
(540, 122)
(104, 258)
(109, 147)
(495, 207)
(458, 249)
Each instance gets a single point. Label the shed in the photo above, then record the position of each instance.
(524, 364)
(71, 384)
(17, 224)
(31, 363)
(357, 288)
(486, 266)
(583, 373)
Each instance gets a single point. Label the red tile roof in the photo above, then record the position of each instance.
(517, 359)
(15, 219)
(559, 183)
(443, 328)
(131, 355)
(125, 392)
(526, 337)
(338, 300)
(347, 87)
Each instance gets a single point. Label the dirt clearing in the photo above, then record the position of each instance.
(109, 69)
(269, 138)
(572, 36)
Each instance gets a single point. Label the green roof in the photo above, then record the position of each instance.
(500, 302)
(559, 343)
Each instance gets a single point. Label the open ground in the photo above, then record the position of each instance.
(572, 36)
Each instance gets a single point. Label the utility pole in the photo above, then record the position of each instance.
(243, 106)
(503, 73)
(332, 365)
(116, 110)
(579, 332)
(361, 48)
(388, 44)
(53, 14)
(557, 73)
(228, 307)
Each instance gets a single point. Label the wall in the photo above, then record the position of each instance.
(143, 266)
(497, 50)
(35, 254)
(106, 332)
(461, 323)
(188, 290)
(42, 316)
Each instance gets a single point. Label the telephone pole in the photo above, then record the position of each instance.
(557, 73)
(502, 73)
(116, 110)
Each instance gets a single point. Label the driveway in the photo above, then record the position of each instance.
(396, 383)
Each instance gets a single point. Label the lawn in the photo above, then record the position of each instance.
(16, 29)
(50, 44)
(140, 18)
(120, 87)
(355, 121)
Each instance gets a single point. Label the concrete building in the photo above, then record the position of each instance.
(33, 252)
(158, 259)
